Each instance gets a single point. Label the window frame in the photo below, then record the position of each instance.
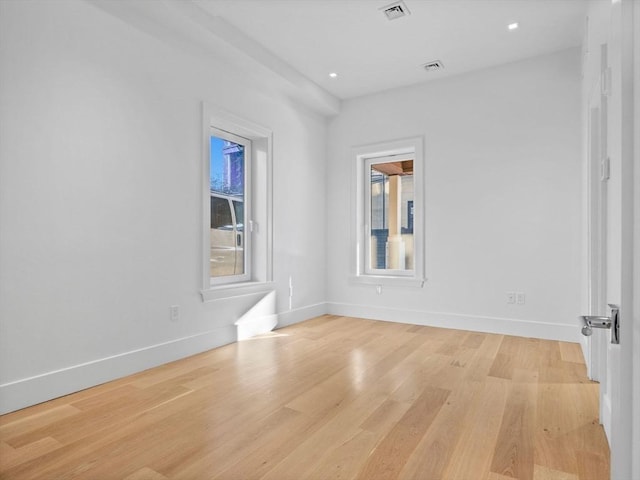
(361, 207)
(247, 187)
(368, 162)
(260, 219)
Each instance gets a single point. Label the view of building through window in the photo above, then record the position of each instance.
(227, 167)
(227, 192)
(391, 215)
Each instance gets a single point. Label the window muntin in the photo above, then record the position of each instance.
(389, 194)
(229, 163)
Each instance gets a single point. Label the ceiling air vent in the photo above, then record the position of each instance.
(396, 10)
(433, 66)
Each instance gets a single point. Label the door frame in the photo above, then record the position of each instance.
(626, 409)
(596, 221)
(624, 138)
(634, 55)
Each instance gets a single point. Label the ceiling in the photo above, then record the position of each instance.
(370, 53)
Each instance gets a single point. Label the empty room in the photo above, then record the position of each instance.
(320, 239)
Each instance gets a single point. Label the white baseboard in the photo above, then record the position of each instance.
(30, 391)
(476, 323)
(259, 319)
(606, 416)
(301, 314)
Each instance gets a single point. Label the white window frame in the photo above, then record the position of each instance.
(368, 162)
(365, 156)
(247, 233)
(258, 232)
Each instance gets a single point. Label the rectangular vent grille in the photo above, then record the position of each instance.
(396, 10)
(432, 66)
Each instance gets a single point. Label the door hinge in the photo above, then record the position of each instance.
(605, 169)
(605, 82)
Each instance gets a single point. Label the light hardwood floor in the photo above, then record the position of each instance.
(330, 398)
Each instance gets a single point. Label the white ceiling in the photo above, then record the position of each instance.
(371, 53)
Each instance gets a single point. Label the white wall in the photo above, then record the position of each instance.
(503, 183)
(100, 200)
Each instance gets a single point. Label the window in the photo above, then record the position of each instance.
(229, 168)
(389, 229)
(389, 211)
(237, 206)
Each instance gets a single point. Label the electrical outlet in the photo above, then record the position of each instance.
(174, 313)
(511, 297)
(520, 298)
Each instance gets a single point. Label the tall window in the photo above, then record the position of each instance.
(389, 214)
(229, 165)
(237, 205)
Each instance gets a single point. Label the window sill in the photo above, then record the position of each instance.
(235, 290)
(388, 281)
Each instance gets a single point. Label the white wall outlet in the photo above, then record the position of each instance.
(520, 298)
(511, 297)
(174, 313)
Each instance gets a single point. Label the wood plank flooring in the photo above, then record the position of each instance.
(330, 398)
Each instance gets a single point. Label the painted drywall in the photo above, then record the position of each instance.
(503, 201)
(101, 203)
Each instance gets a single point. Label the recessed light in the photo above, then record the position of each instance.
(513, 26)
(333, 75)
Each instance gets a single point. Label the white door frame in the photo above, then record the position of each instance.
(623, 123)
(596, 225)
(635, 245)
(626, 414)
(624, 411)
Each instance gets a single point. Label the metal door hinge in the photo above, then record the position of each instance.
(605, 169)
(605, 82)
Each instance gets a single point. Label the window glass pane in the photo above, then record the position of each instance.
(391, 207)
(227, 189)
(238, 208)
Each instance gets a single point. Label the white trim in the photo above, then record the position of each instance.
(596, 198)
(235, 290)
(457, 321)
(259, 319)
(261, 241)
(623, 439)
(606, 415)
(40, 388)
(362, 154)
(387, 281)
(298, 315)
(247, 208)
(634, 304)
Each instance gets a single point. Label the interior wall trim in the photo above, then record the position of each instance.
(40, 388)
(565, 332)
(298, 315)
